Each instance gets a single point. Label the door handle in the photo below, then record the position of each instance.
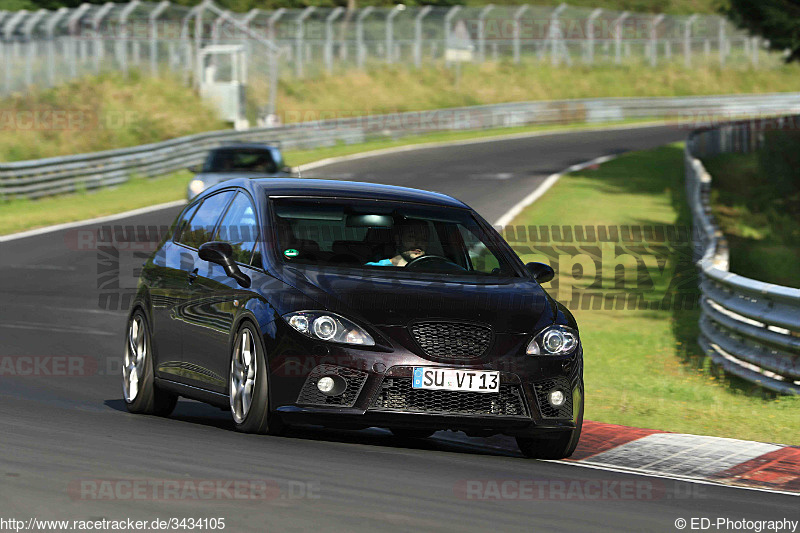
(193, 276)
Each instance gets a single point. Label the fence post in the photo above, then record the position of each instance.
(50, 28)
(123, 23)
(588, 57)
(418, 35)
(556, 36)
(299, 39)
(360, 51)
(516, 28)
(27, 31)
(722, 44)
(332, 16)
(654, 39)
(97, 41)
(390, 31)
(687, 42)
(153, 19)
(482, 31)
(618, 37)
(8, 32)
(754, 44)
(448, 18)
(72, 23)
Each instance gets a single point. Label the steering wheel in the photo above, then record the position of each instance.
(434, 259)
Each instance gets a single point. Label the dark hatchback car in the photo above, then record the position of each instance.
(353, 305)
(237, 160)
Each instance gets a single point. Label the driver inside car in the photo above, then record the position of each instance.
(411, 242)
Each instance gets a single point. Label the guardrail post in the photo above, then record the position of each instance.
(618, 36)
(361, 52)
(390, 31)
(482, 31)
(299, 39)
(448, 19)
(153, 19)
(332, 16)
(418, 35)
(588, 53)
(654, 39)
(687, 40)
(516, 30)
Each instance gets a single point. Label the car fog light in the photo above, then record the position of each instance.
(325, 384)
(556, 398)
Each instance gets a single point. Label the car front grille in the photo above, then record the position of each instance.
(310, 394)
(452, 340)
(542, 389)
(396, 394)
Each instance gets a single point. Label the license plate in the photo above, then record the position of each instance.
(455, 379)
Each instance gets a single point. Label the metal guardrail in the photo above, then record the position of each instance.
(750, 328)
(57, 175)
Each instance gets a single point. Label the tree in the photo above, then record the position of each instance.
(775, 20)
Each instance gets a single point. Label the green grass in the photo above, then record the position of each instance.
(21, 214)
(760, 219)
(643, 366)
(388, 89)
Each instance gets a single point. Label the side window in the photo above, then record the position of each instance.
(199, 230)
(180, 223)
(483, 260)
(239, 228)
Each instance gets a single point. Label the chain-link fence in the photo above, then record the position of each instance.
(44, 48)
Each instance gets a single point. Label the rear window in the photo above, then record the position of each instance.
(241, 160)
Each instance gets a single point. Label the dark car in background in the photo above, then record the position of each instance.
(353, 305)
(238, 160)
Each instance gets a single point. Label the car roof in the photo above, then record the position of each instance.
(351, 189)
(243, 146)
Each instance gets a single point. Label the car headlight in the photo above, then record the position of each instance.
(197, 186)
(554, 340)
(325, 326)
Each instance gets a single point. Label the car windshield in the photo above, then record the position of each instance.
(383, 235)
(241, 160)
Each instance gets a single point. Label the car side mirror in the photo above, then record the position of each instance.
(221, 253)
(196, 169)
(541, 272)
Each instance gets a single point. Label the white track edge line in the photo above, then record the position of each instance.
(79, 223)
(543, 187)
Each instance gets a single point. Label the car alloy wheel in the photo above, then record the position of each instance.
(243, 375)
(133, 369)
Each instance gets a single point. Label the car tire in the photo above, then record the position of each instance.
(558, 446)
(248, 385)
(412, 433)
(141, 394)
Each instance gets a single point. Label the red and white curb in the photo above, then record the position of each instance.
(758, 465)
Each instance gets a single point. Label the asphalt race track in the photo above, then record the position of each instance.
(61, 433)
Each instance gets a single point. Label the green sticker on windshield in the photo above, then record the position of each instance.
(291, 252)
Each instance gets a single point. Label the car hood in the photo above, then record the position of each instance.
(514, 305)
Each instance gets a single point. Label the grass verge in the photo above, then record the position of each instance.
(643, 365)
(759, 216)
(21, 214)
